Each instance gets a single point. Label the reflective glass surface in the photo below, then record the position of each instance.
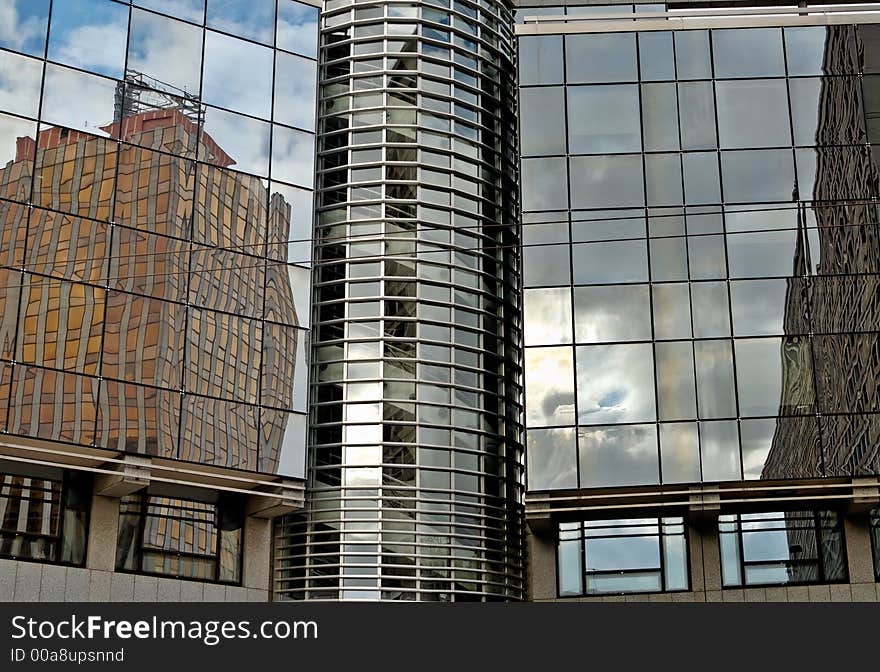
(158, 305)
(634, 555)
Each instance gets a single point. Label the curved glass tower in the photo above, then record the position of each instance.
(416, 439)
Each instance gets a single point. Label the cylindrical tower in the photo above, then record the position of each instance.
(416, 441)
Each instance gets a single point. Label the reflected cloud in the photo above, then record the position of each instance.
(615, 384)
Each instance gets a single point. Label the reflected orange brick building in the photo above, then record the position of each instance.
(136, 322)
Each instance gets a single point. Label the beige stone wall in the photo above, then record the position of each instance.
(38, 582)
(705, 569)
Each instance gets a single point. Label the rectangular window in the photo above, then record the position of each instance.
(44, 519)
(782, 548)
(637, 555)
(181, 538)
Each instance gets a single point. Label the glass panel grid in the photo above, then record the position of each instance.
(749, 210)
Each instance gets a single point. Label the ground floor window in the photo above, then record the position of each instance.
(634, 555)
(45, 519)
(782, 548)
(181, 538)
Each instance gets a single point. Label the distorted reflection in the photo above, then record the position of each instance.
(165, 50)
(189, 368)
(773, 548)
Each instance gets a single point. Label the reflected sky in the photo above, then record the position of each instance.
(20, 80)
(618, 455)
(615, 384)
(550, 386)
(89, 34)
(23, 25)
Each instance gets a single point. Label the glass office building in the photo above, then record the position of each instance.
(439, 300)
(156, 176)
(701, 246)
(415, 464)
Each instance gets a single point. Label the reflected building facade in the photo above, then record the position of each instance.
(156, 214)
(700, 268)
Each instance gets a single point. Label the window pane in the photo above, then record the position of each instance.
(605, 181)
(656, 56)
(615, 384)
(622, 553)
(768, 307)
(549, 374)
(663, 179)
(719, 447)
(756, 176)
(672, 311)
(709, 301)
(293, 156)
(89, 34)
(600, 57)
(238, 142)
(253, 19)
(774, 376)
(768, 254)
(806, 50)
(604, 225)
(751, 52)
(680, 452)
(238, 75)
(571, 574)
(612, 124)
(613, 313)
(809, 99)
(20, 82)
(781, 448)
(706, 257)
(297, 28)
(701, 182)
(540, 59)
(26, 22)
(90, 110)
(676, 394)
(544, 184)
(542, 121)
(605, 263)
(696, 102)
(552, 459)
(715, 392)
(660, 117)
(753, 113)
(668, 259)
(692, 54)
(153, 38)
(295, 91)
(547, 316)
(625, 455)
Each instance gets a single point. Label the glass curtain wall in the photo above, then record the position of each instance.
(701, 254)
